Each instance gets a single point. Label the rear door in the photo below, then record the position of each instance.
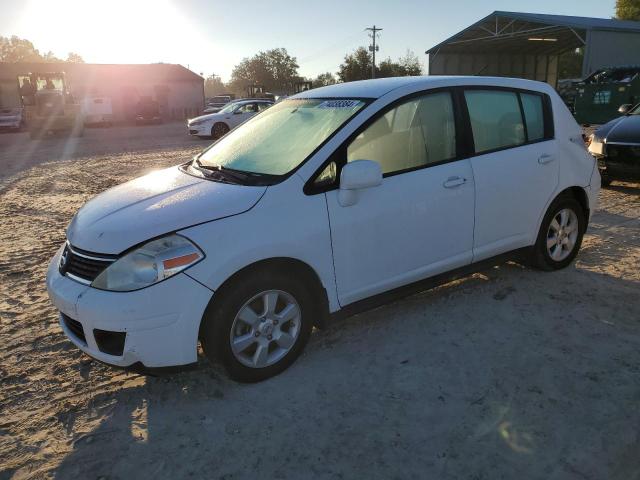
(514, 166)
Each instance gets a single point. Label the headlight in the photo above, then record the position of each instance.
(149, 264)
(596, 146)
(196, 122)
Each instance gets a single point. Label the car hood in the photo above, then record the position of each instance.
(150, 206)
(621, 130)
(210, 116)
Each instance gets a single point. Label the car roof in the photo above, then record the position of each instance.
(379, 87)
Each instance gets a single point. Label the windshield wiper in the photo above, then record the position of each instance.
(238, 176)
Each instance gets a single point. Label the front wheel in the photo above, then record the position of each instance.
(560, 235)
(258, 325)
(219, 130)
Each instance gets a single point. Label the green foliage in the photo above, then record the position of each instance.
(406, 66)
(275, 69)
(15, 49)
(628, 10)
(324, 79)
(357, 66)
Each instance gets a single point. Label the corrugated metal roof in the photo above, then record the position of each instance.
(571, 21)
(545, 22)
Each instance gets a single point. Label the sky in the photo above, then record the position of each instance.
(211, 36)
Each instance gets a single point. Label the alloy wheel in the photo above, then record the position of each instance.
(265, 328)
(562, 234)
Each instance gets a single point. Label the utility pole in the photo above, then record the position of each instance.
(373, 48)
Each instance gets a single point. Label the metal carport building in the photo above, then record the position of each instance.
(527, 45)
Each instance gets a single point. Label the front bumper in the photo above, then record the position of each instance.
(202, 130)
(160, 322)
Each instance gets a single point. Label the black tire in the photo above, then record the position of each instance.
(219, 317)
(219, 130)
(605, 179)
(540, 256)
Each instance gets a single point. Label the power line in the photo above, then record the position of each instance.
(373, 48)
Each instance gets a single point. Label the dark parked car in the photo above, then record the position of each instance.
(616, 145)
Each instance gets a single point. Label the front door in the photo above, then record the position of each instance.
(419, 221)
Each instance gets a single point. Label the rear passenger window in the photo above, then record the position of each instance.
(533, 115)
(416, 133)
(496, 120)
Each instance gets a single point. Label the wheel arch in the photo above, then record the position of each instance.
(576, 192)
(579, 194)
(290, 265)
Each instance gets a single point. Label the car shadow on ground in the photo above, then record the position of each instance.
(480, 378)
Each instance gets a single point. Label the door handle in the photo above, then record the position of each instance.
(453, 182)
(545, 158)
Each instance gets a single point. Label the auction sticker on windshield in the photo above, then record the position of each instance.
(340, 104)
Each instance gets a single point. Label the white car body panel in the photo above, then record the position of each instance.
(168, 200)
(299, 231)
(406, 229)
(161, 323)
(396, 234)
(503, 222)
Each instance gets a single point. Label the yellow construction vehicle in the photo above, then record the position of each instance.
(48, 105)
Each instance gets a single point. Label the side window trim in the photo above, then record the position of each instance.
(339, 156)
(547, 112)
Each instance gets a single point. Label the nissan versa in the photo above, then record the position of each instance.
(331, 197)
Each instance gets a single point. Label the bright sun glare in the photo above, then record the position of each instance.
(116, 31)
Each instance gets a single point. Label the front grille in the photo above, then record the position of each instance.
(74, 327)
(108, 342)
(83, 266)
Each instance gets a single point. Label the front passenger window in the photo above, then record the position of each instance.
(416, 133)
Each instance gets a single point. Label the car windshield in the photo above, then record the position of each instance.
(283, 136)
(229, 108)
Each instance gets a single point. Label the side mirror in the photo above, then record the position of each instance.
(237, 112)
(357, 175)
(624, 109)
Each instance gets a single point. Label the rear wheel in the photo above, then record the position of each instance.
(219, 130)
(258, 325)
(560, 234)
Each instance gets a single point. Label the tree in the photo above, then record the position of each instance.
(324, 79)
(17, 49)
(74, 58)
(628, 10)
(275, 69)
(406, 66)
(213, 86)
(356, 66)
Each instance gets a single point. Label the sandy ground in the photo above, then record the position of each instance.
(509, 373)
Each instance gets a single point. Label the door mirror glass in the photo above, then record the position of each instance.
(624, 109)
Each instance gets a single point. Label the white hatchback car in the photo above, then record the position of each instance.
(319, 205)
(215, 125)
